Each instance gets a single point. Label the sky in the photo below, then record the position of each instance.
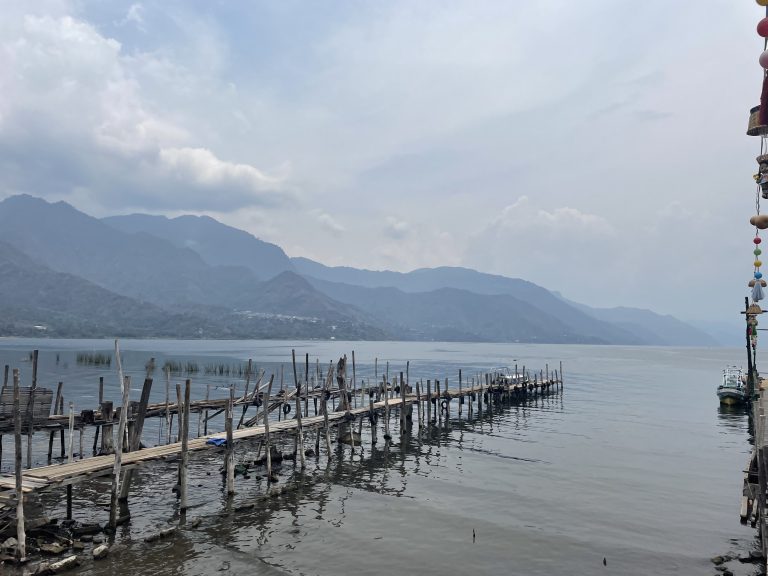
(596, 148)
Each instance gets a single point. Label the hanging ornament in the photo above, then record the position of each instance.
(757, 292)
(759, 221)
(757, 240)
(762, 2)
(762, 28)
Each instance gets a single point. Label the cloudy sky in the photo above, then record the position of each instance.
(594, 147)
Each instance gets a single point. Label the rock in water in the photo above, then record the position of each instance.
(100, 552)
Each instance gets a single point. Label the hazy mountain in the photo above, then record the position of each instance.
(136, 265)
(663, 330)
(193, 276)
(452, 314)
(217, 243)
(35, 300)
(427, 280)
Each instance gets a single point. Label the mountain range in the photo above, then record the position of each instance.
(65, 273)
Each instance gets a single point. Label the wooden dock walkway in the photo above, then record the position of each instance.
(87, 468)
(387, 399)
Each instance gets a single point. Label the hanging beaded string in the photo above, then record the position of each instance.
(761, 179)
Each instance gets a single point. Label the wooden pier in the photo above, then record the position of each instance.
(340, 407)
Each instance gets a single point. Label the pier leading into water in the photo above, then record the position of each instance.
(313, 415)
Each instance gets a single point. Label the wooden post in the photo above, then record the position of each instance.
(429, 402)
(184, 448)
(386, 405)
(438, 407)
(107, 431)
(70, 456)
(31, 408)
(418, 402)
(61, 430)
(98, 428)
(55, 411)
(245, 396)
(306, 385)
(324, 408)
(134, 440)
(282, 394)
(230, 453)
(480, 397)
(266, 430)
(372, 419)
(21, 536)
(167, 406)
(403, 427)
(354, 381)
(5, 376)
(299, 431)
(561, 374)
(119, 451)
(207, 399)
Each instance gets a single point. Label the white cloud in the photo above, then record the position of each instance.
(328, 222)
(135, 15)
(73, 103)
(202, 168)
(395, 228)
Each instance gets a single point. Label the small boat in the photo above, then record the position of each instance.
(733, 390)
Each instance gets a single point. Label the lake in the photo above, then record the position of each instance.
(633, 462)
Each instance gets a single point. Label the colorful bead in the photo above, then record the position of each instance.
(758, 263)
(757, 240)
(757, 252)
(758, 275)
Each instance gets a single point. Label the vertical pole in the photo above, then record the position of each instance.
(429, 402)
(418, 402)
(372, 419)
(230, 454)
(61, 430)
(461, 396)
(324, 408)
(354, 380)
(306, 386)
(207, 398)
(299, 431)
(386, 404)
(134, 440)
(55, 411)
(119, 451)
(245, 398)
(403, 427)
(266, 430)
(21, 536)
(70, 455)
(167, 406)
(31, 409)
(184, 448)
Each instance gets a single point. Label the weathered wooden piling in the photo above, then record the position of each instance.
(30, 408)
(21, 536)
(266, 432)
(299, 431)
(55, 412)
(184, 461)
(126, 382)
(134, 438)
(230, 449)
(429, 402)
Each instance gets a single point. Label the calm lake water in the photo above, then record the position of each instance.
(633, 462)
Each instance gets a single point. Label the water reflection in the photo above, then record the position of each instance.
(736, 417)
